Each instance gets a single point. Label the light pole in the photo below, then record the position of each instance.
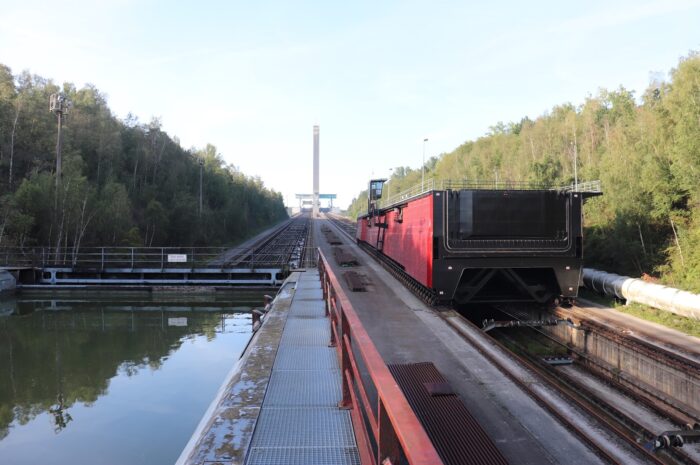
(422, 168)
(388, 189)
(575, 154)
(59, 104)
(201, 167)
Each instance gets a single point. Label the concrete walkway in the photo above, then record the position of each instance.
(279, 403)
(300, 422)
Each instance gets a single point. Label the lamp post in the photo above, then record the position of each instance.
(422, 168)
(388, 189)
(575, 154)
(59, 104)
(201, 167)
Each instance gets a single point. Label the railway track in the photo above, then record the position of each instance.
(597, 406)
(347, 226)
(309, 256)
(680, 363)
(282, 247)
(625, 342)
(600, 419)
(628, 431)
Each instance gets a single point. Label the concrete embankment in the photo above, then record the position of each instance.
(8, 283)
(638, 365)
(225, 431)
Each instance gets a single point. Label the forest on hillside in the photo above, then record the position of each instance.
(644, 149)
(123, 183)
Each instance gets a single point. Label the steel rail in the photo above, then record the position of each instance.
(275, 248)
(672, 412)
(536, 396)
(346, 226)
(609, 414)
(246, 252)
(396, 430)
(309, 256)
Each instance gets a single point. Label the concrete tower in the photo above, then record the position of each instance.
(317, 202)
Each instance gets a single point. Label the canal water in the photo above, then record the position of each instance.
(105, 379)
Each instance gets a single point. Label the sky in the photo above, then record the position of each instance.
(252, 78)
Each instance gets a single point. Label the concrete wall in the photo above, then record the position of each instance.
(635, 369)
(8, 283)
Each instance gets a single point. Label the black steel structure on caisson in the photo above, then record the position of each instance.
(482, 242)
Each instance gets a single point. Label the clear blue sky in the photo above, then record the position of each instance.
(253, 78)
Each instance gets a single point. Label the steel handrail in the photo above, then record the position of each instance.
(145, 257)
(432, 184)
(395, 428)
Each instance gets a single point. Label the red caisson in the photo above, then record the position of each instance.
(471, 243)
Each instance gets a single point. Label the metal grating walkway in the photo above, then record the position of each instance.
(299, 421)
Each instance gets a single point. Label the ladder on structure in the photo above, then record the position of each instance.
(380, 234)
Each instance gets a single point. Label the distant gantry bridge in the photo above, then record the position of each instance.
(263, 260)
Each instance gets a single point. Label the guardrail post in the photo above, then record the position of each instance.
(162, 257)
(102, 259)
(324, 284)
(388, 448)
(333, 321)
(345, 367)
(132, 258)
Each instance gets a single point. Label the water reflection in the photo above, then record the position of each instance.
(56, 355)
(61, 417)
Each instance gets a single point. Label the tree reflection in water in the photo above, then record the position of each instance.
(51, 359)
(61, 417)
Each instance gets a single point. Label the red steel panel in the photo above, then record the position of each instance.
(361, 233)
(410, 242)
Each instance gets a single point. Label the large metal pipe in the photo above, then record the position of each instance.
(635, 290)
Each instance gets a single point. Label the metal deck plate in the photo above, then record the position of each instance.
(455, 433)
(306, 358)
(306, 332)
(319, 456)
(307, 308)
(300, 422)
(310, 276)
(318, 388)
(308, 285)
(355, 281)
(308, 294)
(303, 427)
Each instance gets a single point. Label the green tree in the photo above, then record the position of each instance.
(646, 153)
